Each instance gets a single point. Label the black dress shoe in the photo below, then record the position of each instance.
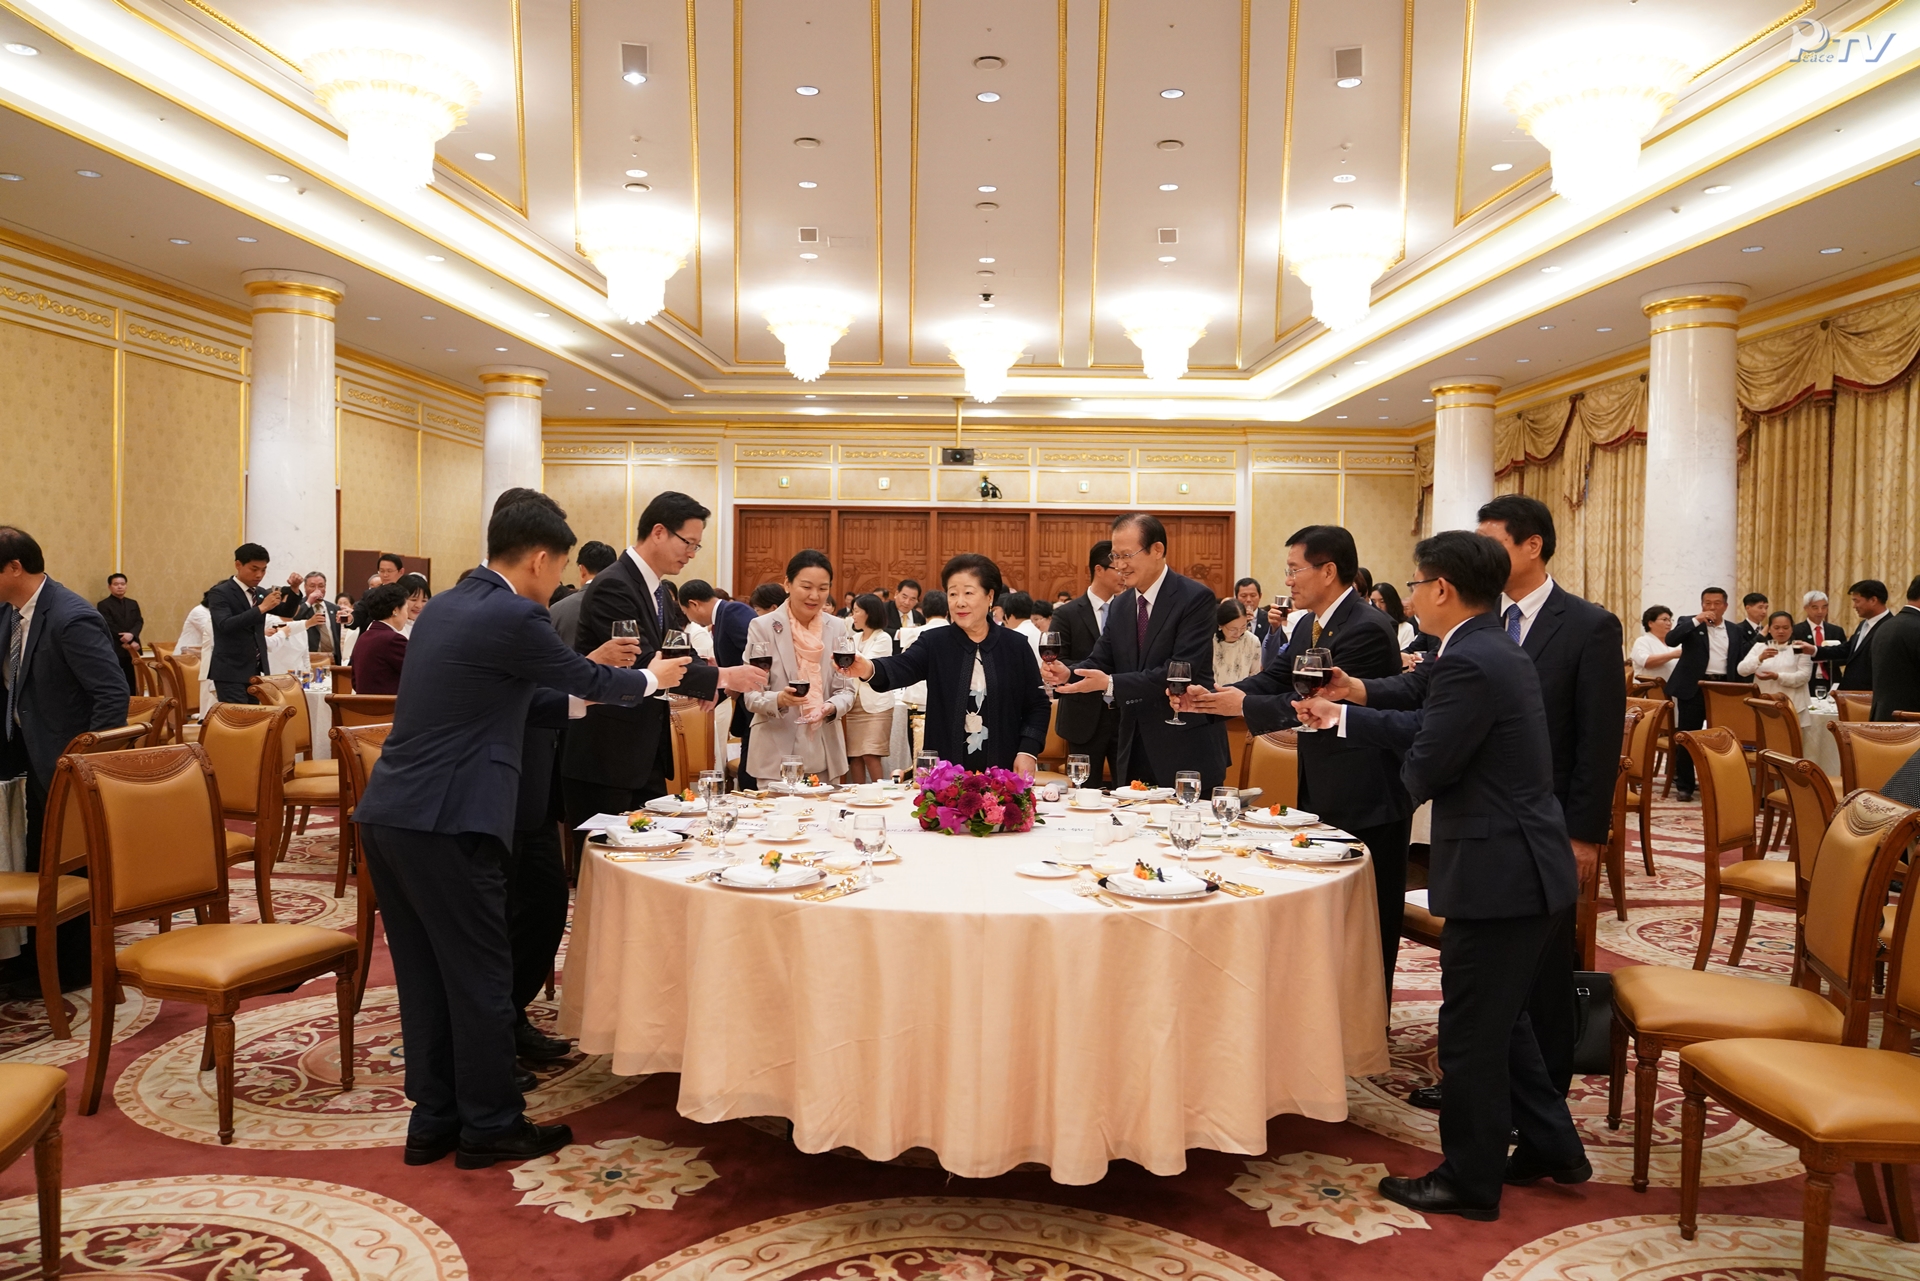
(1432, 1194)
(1524, 1168)
(523, 1080)
(427, 1151)
(1427, 1096)
(522, 1143)
(1682, 794)
(535, 1046)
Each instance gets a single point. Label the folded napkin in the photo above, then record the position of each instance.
(768, 877)
(1177, 882)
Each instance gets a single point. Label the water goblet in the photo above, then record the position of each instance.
(870, 838)
(1184, 830)
(1186, 787)
(721, 818)
(1078, 769)
(1226, 805)
(791, 770)
(923, 765)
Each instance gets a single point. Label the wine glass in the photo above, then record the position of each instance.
(1049, 651)
(843, 652)
(626, 627)
(1309, 674)
(1226, 805)
(870, 838)
(1183, 829)
(1179, 676)
(1186, 787)
(676, 644)
(760, 654)
(721, 817)
(710, 787)
(923, 765)
(791, 769)
(1079, 769)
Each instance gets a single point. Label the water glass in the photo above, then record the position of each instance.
(924, 764)
(1186, 787)
(710, 786)
(870, 838)
(1226, 805)
(1184, 830)
(1078, 769)
(721, 818)
(791, 771)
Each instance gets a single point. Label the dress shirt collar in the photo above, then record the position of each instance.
(497, 574)
(1152, 594)
(33, 602)
(1333, 609)
(1529, 604)
(1449, 636)
(244, 589)
(647, 575)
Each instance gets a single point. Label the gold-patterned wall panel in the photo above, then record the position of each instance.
(1212, 489)
(595, 498)
(452, 525)
(1282, 503)
(379, 486)
(764, 482)
(180, 503)
(59, 389)
(1103, 488)
(905, 484)
(1380, 515)
(696, 480)
(960, 485)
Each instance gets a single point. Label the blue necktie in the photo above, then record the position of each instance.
(1513, 623)
(660, 604)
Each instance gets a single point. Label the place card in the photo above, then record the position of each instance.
(1066, 901)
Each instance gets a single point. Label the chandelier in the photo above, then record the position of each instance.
(808, 325)
(1591, 110)
(1339, 254)
(637, 252)
(1164, 327)
(985, 349)
(394, 105)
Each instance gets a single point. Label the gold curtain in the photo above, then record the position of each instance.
(1875, 518)
(1781, 529)
(1865, 348)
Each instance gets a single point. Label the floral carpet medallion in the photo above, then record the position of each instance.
(294, 903)
(1416, 961)
(26, 1038)
(952, 1239)
(1735, 1152)
(316, 853)
(286, 1087)
(1675, 879)
(1328, 1195)
(231, 1228)
(1669, 935)
(588, 1181)
(1648, 1247)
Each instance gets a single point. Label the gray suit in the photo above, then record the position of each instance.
(566, 616)
(778, 734)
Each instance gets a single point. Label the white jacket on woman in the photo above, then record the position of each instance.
(1793, 669)
(875, 643)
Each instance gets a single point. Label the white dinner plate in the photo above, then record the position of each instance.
(782, 840)
(1046, 871)
(1097, 807)
(1292, 818)
(880, 804)
(1150, 795)
(641, 842)
(807, 789)
(1118, 885)
(1317, 852)
(787, 879)
(672, 805)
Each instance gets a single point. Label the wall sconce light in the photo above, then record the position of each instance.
(785, 481)
(1086, 486)
(886, 482)
(1183, 486)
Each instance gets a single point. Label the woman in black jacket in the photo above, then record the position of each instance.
(985, 702)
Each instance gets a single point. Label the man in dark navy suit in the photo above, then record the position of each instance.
(238, 609)
(1476, 743)
(438, 817)
(1162, 617)
(728, 621)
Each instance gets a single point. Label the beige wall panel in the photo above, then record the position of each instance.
(452, 525)
(698, 481)
(180, 504)
(1213, 489)
(804, 483)
(1380, 516)
(56, 451)
(595, 498)
(1282, 503)
(903, 486)
(379, 486)
(1103, 487)
(960, 485)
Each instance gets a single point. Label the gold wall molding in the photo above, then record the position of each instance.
(1400, 462)
(1003, 457)
(587, 451)
(783, 453)
(41, 301)
(183, 342)
(1086, 457)
(851, 454)
(675, 452)
(1159, 458)
(434, 418)
(1287, 458)
(371, 399)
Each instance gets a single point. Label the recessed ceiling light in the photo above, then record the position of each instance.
(1831, 250)
(429, 317)
(635, 77)
(1426, 400)
(1339, 415)
(435, 258)
(632, 408)
(1173, 93)
(543, 314)
(9, 177)
(373, 317)
(1718, 188)
(618, 355)
(589, 389)
(1169, 186)
(592, 407)
(1604, 329)
(984, 271)
(806, 91)
(1545, 327)
(1524, 360)
(499, 348)
(983, 260)
(175, 240)
(809, 257)
(248, 240)
(1166, 258)
(484, 155)
(985, 305)
(1347, 82)
(988, 188)
(1549, 270)
(987, 97)
(1752, 249)
(809, 185)
(451, 349)
(1384, 417)
(636, 173)
(278, 177)
(88, 173)
(1473, 357)
(635, 187)
(1346, 177)
(811, 396)
(1381, 398)
(24, 50)
(899, 397)
(686, 395)
(1359, 362)
(1502, 167)
(1074, 399)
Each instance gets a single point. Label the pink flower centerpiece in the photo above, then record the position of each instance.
(954, 799)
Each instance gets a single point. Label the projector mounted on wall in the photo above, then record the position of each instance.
(956, 457)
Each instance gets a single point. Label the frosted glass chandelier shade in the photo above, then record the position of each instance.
(638, 253)
(1338, 255)
(1164, 327)
(986, 350)
(1591, 111)
(395, 105)
(808, 325)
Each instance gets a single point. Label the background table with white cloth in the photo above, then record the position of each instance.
(990, 1017)
(1816, 742)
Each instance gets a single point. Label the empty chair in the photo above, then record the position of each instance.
(1853, 704)
(356, 749)
(33, 1100)
(1727, 812)
(154, 711)
(361, 709)
(1871, 751)
(1273, 766)
(1727, 707)
(243, 745)
(1644, 750)
(1810, 800)
(1780, 734)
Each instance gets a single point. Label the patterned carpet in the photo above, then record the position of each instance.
(313, 1188)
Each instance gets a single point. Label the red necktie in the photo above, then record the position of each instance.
(1140, 629)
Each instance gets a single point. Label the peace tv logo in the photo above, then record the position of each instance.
(1813, 41)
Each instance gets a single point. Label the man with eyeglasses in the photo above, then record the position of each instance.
(616, 759)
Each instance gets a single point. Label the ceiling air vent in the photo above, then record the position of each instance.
(1169, 235)
(809, 235)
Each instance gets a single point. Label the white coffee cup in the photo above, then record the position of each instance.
(871, 791)
(1086, 797)
(783, 827)
(1160, 814)
(1132, 820)
(1076, 845)
(790, 804)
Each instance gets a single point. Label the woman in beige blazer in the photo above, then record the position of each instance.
(802, 636)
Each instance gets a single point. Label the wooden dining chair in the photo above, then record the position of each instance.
(154, 711)
(340, 679)
(361, 709)
(1727, 706)
(1853, 704)
(1614, 857)
(1727, 814)
(1645, 753)
(33, 1102)
(1779, 728)
(1657, 1008)
(286, 691)
(1872, 751)
(356, 750)
(243, 744)
(1811, 798)
(156, 846)
(1273, 766)
(306, 784)
(185, 694)
(1839, 1105)
(1907, 717)
(1238, 740)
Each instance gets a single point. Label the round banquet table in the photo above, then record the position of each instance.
(990, 1017)
(1816, 742)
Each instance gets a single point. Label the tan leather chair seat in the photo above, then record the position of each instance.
(313, 791)
(1770, 877)
(221, 957)
(20, 893)
(316, 769)
(1831, 1093)
(1698, 1003)
(27, 1090)
(239, 845)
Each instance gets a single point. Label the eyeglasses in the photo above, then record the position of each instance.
(691, 545)
(1293, 571)
(1419, 581)
(1120, 555)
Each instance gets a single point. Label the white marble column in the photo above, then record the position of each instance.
(512, 450)
(1693, 420)
(290, 421)
(1462, 448)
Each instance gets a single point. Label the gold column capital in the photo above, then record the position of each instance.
(1718, 296)
(274, 283)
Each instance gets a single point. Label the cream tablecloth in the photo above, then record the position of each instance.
(322, 718)
(1815, 740)
(951, 1008)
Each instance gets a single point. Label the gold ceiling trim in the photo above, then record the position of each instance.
(1695, 324)
(1465, 389)
(1286, 170)
(1099, 170)
(1827, 292)
(15, 239)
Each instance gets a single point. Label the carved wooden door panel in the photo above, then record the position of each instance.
(1061, 560)
(1201, 547)
(878, 549)
(765, 540)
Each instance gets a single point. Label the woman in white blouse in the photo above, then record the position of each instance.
(1652, 658)
(1777, 665)
(869, 722)
(1236, 650)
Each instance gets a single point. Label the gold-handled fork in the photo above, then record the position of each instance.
(1088, 889)
(1234, 888)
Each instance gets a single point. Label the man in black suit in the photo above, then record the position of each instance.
(1753, 628)
(1476, 742)
(1250, 594)
(1162, 617)
(239, 609)
(1351, 785)
(1825, 641)
(1709, 651)
(904, 609)
(438, 816)
(60, 669)
(1896, 660)
(619, 758)
(1869, 597)
(122, 615)
(1088, 722)
(728, 621)
(314, 604)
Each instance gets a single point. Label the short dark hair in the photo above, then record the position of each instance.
(381, 602)
(1248, 582)
(1913, 588)
(1755, 598)
(1017, 605)
(1229, 610)
(522, 494)
(1651, 615)
(116, 574)
(1523, 516)
(1328, 544)
(672, 509)
(1778, 613)
(934, 604)
(561, 592)
(808, 559)
(1390, 597)
(320, 574)
(984, 572)
(414, 582)
(523, 527)
(908, 582)
(873, 607)
(398, 561)
(1043, 609)
(696, 590)
(247, 553)
(18, 544)
(1721, 592)
(767, 596)
(1871, 588)
(596, 555)
(1100, 556)
(1475, 566)
(1150, 529)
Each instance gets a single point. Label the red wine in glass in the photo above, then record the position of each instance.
(1049, 653)
(1307, 681)
(762, 661)
(682, 650)
(799, 688)
(843, 659)
(1179, 676)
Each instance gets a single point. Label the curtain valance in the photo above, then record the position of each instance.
(1865, 349)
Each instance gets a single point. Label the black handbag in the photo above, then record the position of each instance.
(1593, 1021)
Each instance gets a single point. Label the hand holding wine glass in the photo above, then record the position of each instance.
(1311, 671)
(1179, 676)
